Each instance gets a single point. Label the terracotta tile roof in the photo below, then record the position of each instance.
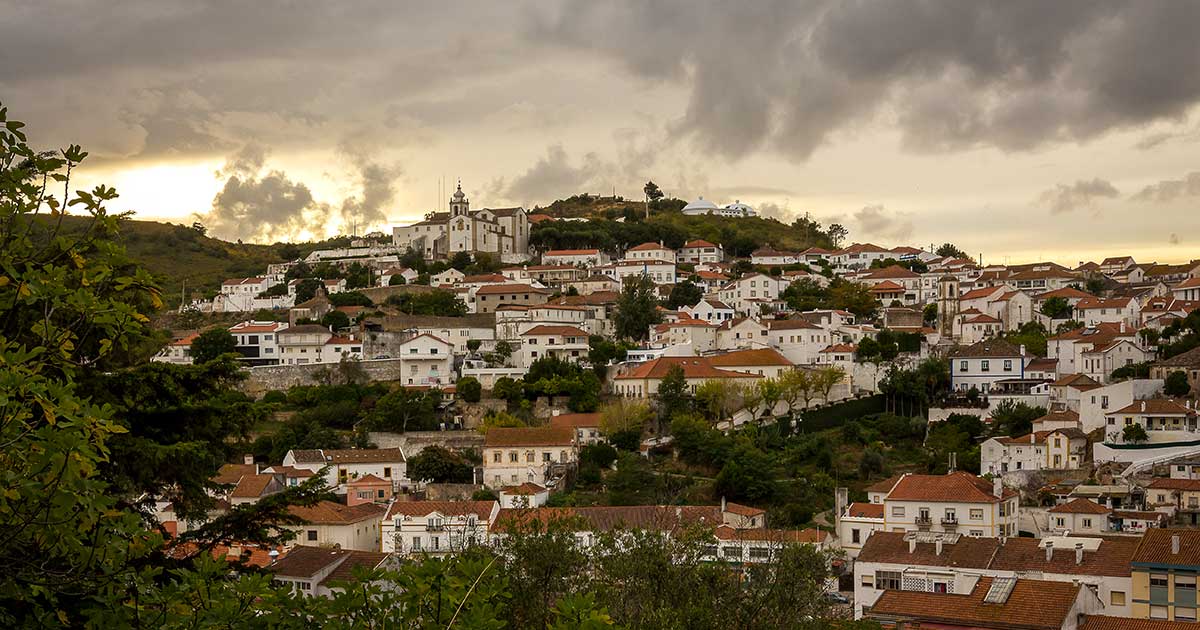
(960, 487)
(745, 358)
(1075, 380)
(645, 247)
(330, 513)
(1139, 515)
(308, 456)
(1155, 547)
(858, 248)
(1165, 483)
(344, 572)
(481, 509)
(486, 277)
(1080, 506)
(891, 548)
(988, 348)
(231, 473)
(697, 243)
(811, 536)
(693, 367)
(1070, 293)
(367, 480)
(247, 327)
(251, 555)
(568, 331)
(571, 252)
(792, 324)
(529, 436)
(1094, 302)
(252, 486)
(743, 510)
(596, 298)
(1039, 437)
(1101, 622)
(576, 420)
(983, 318)
(816, 251)
(526, 489)
(506, 289)
(1101, 331)
(645, 517)
(1042, 365)
(363, 455)
(1032, 605)
(887, 286)
(859, 509)
(1191, 358)
(304, 562)
(1111, 558)
(840, 348)
(1155, 407)
(886, 485)
(979, 293)
(892, 271)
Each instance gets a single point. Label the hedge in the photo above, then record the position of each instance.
(838, 414)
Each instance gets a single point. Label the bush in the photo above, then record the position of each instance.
(1177, 384)
(838, 414)
(602, 455)
(469, 389)
(274, 396)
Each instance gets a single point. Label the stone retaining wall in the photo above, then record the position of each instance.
(263, 379)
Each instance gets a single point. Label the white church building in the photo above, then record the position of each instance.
(502, 232)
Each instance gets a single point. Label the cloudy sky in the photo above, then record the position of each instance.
(1020, 130)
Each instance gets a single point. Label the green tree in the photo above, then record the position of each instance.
(306, 289)
(436, 302)
(1134, 434)
(358, 276)
(336, 319)
(405, 410)
(469, 389)
(929, 315)
(509, 390)
(673, 395)
(350, 298)
(473, 345)
(437, 464)
(602, 351)
(637, 308)
(1009, 418)
(684, 294)
(1176, 384)
(1057, 308)
(950, 250)
(211, 344)
(396, 280)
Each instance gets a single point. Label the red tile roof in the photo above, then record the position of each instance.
(1101, 622)
(644, 517)
(961, 487)
(1155, 547)
(648, 247)
(330, 513)
(693, 367)
(697, 243)
(1080, 506)
(529, 436)
(567, 331)
(1032, 605)
(576, 420)
(1165, 483)
(571, 252)
(481, 509)
(865, 510)
(252, 486)
(506, 289)
(1155, 407)
(810, 536)
(526, 489)
(752, 357)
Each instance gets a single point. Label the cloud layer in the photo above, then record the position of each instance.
(1083, 194)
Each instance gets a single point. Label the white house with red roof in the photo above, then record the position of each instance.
(987, 365)
(245, 295)
(259, 343)
(742, 332)
(752, 293)
(700, 251)
(658, 270)
(643, 380)
(710, 310)
(436, 527)
(1187, 290)
(958, 502)
(685, 336)
(1069, 347)
(568, 343)
(973, 326)
(1054, 449)
(409, 275)
(800, 340)
(770, 257)
(651, 251)
(426, 360)
(1096, 311)
(908, 282)
(575, 257)
(178, 351)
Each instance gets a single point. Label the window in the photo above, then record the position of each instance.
(888, 580)
(985, 366)
(1185, 614)
(387, 471)
(976, 514)
(962, 366)
(512, 457)
(855, 536)
(1158, 612)
(311, 534)
(731, 552)
(1116, 598)
(759, 553)
(1008, 365)
(898, 511)
(496, 457)
(1158, 580)
(868, 580)
(1087, 522)
(416, 544)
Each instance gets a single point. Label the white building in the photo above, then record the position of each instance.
(427, 361)
(748, 294)
(1055, 449)
(700, 251)
(259, 342)
(178, 351)
(501, 232)
(436, 527)
(575, 257)
(340, 526)
(347, 464)
(710, 310)
(512, 456)
(564, 342)
(651, 251)
(985, 364)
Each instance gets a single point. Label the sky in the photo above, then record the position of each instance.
(1019, 130)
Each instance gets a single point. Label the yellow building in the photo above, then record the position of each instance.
(1164, 571)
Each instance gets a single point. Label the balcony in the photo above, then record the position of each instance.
(924, 522)
(950, 522)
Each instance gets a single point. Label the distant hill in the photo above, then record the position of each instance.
(179, 255)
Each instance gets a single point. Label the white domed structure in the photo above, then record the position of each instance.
(738, 209)
(700, 206)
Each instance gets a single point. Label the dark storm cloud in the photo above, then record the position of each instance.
(1081, 195)
(790, 76)
(255, 205)
(879, 222)
(1170, 189)
(553, 176)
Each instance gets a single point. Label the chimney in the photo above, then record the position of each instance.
(937, 546)
(1174, 544)
(248, 459)
(1022, 349)
(912, 545)
(1032, 436)
(1078, 553)
(722, 503)
(1049, 550)
(1143, 406)
(997, 487)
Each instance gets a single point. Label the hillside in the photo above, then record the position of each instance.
(179, 255)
